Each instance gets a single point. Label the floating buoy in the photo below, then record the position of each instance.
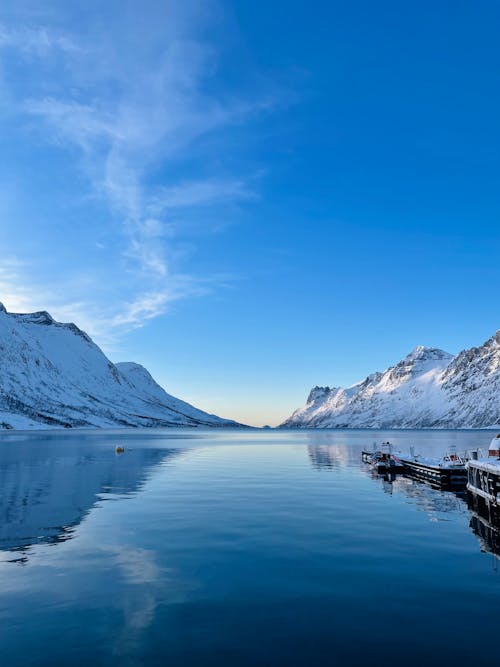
(119, 449)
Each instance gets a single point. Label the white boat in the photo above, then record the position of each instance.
(449, 469)
(383, 458)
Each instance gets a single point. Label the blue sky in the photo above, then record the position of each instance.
(253, 198)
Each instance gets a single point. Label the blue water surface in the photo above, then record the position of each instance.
(229, 547)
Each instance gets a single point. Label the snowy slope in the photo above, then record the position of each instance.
(53, 374)
(428, 388)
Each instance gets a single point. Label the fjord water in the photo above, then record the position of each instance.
(237, 548)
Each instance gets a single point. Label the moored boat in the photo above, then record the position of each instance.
(383, 459)
(449, 470)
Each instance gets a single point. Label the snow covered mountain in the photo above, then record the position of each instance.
(428, 388)
(54, 375)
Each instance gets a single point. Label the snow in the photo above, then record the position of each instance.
(491, 465)
(429, 388)
(433, 462)
(54, 375)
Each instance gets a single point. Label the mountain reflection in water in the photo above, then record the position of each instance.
(48, 489)
(328, 456)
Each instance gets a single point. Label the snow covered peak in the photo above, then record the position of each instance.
(40, 317)
(428, 388)
(318, 392)
(53, 374)
(422, 353)
(494, 341)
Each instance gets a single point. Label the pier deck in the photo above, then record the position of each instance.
(483, 480)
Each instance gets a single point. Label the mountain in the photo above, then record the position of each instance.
(54, 375)
(429, 388)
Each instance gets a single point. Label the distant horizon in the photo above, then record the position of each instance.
(245, 216)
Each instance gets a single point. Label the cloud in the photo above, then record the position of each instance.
(37, 42)
(154, 115)
(149, 305)
(80, 124)
(201, 193)
(138, 565)
(20, 293)
(129, 97)
(149, 121)
(105, 326)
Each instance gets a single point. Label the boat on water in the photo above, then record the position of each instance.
(383, 459)
(448, 470)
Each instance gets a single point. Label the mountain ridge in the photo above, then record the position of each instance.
(53, 374)
(429, 388)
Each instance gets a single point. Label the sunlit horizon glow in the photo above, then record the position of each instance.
(252, 200)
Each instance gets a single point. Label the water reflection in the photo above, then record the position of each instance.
(487, 534)
(485, 524)
(435, 500)
(438, 504)
(234, 553)
(435, 503)
(328, 456)
(48, 489)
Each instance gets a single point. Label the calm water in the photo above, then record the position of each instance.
(237, 548)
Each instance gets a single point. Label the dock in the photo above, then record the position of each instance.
(483, 480)
(442, 473)
(449, 471)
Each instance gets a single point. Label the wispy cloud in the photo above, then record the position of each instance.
(156, 114)
(79, 124)
(149, 305)
(37, 42)
(21, 292)
(130, 103)
(201, 193)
